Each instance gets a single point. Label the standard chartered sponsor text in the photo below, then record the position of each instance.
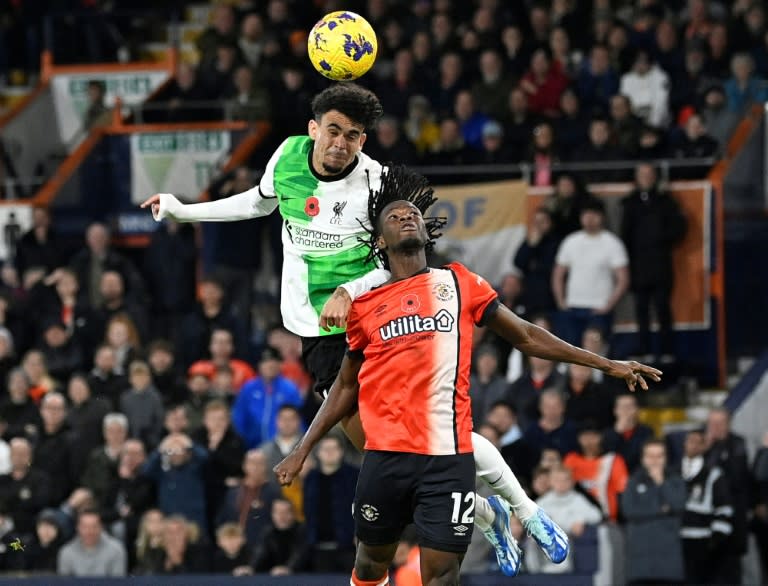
(316, 238)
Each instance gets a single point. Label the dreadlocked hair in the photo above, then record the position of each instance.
(398, 183)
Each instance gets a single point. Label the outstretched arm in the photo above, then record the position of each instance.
(341, 399)
(242, 206)
(535, 341)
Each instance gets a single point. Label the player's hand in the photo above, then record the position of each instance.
(336, 310)
(633, 373)
(289, 468)
(154, 205)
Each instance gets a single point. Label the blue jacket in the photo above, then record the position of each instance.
(255, 409)
(180, 490)
(738, 100)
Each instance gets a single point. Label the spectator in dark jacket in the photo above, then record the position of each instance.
(587, 399)
(171, 285)
(184, 552)
(17, 410)
(524, 393)
(232, 555)
(41, 552)
(283, 549)
(177, 468)
(194, 333)
(694, 142)
(329, 491)
(552, 430)
(707, 522)
(536, 259)
(100, 475)
(486, 385)
(597, 80)
(652, 224)
(249, 503)
(627, 435)
(62, 352)
(53, 449)
(26, 490)
(103, 379)
(727, 451)
(84, 419)
(225, 454)
(389, 144)
(653, 505)
(40, 246)
(91, 262)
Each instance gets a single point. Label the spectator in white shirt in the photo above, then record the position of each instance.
(647, 86)
(569, 509)
(590, 275)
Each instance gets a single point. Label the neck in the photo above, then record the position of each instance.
(405, 264)
(329, 469)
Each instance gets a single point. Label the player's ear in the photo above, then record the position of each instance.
(381, 244)
(312, 128)
(363, 138)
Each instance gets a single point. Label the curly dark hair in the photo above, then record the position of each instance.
(355, 102)
(398, 183)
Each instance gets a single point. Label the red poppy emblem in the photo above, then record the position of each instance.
(312, 206)
(410, 303)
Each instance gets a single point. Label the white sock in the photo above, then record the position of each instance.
(484, 514)
(491, 467)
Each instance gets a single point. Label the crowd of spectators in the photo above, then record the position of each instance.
(481, 82)
(142, 393)
(490, 83)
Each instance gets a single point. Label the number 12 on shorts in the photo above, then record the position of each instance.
(469, 502)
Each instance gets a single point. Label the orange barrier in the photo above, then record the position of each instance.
(717, 177)
(48, 69)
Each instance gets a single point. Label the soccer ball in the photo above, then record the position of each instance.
(342, 45)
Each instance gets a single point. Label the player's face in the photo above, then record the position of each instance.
(337, 140)
(402, 227)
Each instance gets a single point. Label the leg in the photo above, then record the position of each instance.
(491, 467)
(661, 302)
(492, 518)
(642, 315)
(372, 564)
(440, 568)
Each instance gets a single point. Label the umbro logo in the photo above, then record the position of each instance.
(460, 530)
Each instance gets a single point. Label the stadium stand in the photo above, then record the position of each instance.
(118, 372)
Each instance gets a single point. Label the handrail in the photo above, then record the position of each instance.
(717, 178)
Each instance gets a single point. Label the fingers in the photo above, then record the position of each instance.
(154, 199)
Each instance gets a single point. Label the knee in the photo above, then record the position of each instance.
(369, 565)
(444, 575)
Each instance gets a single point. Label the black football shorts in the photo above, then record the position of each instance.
(435, 493)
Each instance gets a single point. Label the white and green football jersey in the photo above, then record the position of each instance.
(322, 228)
(322, 219)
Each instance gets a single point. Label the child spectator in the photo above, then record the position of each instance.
(231, 557)
(143, 406)
(569, 509)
